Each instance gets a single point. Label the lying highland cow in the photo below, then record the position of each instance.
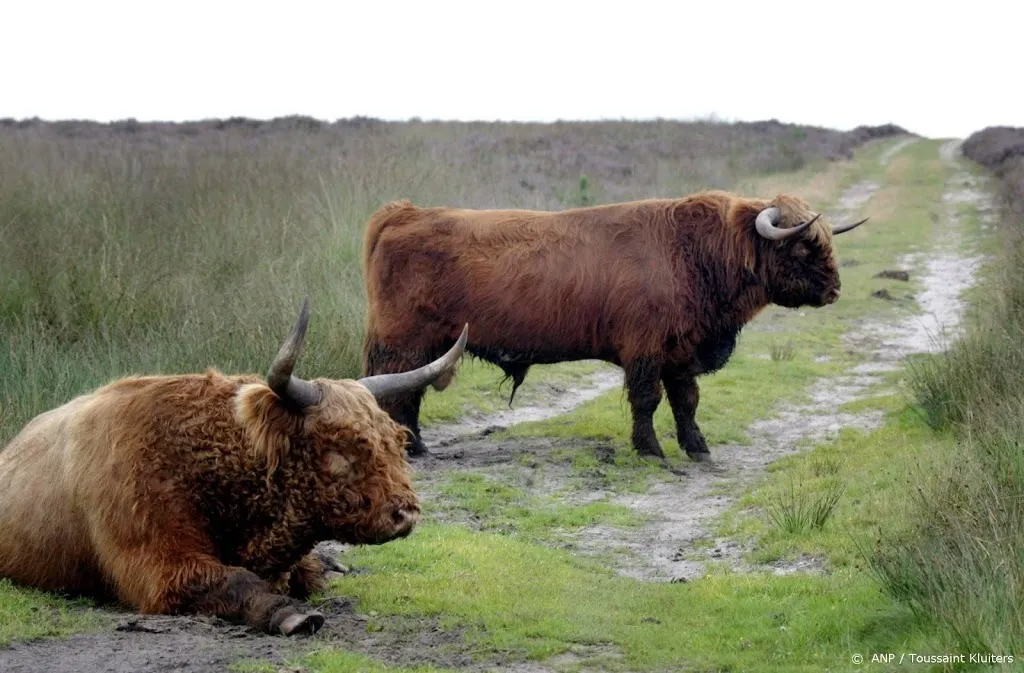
(661, 288)
(207, 493)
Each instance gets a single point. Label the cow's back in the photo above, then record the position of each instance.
(528, 280)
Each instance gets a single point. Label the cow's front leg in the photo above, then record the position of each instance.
(684, 396)
(237, 594)
(166, 568)
(404, 408)
(311, 574)
(183, 582)
(644, 390)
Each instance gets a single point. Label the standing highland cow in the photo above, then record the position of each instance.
(661, 288)
(207, 493)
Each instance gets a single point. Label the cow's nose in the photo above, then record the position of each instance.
(405, 520)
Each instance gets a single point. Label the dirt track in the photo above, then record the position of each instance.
(661, 550)
(135, 643)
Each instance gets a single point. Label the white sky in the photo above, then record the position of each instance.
(939, 72)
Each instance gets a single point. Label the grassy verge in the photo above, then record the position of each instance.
(536, 602)
(960, 564)
(823, 502)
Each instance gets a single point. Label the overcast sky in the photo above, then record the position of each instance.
(938, 72)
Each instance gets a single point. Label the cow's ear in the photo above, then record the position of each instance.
(268, 423)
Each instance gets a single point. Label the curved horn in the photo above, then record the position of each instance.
(843, 228)
(291, 389)
(765, 224)
(384, 385)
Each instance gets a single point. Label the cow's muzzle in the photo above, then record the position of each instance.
(405, 520)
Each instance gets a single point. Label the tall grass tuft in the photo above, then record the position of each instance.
(798, 510)
(782, 351)
(962, 564)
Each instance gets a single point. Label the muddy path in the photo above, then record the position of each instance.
(554, 400)
(675, 543)
(134, 643)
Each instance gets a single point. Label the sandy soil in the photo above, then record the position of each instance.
(557, 400)
(662, 550)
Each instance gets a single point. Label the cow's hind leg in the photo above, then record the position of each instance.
(404, 409)
(643, 387)
(684, 396)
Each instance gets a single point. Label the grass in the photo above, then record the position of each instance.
(479, 387)
(540, 602)
(872, 469)
(192, 246)
(491, 504)
(26, 614)
(334, 661)
(960, 563)
(961, 567)
(782, 352)
(155, 248)
(802, 509)
(830, 503)
(514, 596)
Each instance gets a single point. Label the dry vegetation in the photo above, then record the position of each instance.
(172, 247)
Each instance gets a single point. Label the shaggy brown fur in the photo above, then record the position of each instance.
(659, 287)
(200, 493)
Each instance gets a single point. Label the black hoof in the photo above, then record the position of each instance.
(414, 447)
(306, 623)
